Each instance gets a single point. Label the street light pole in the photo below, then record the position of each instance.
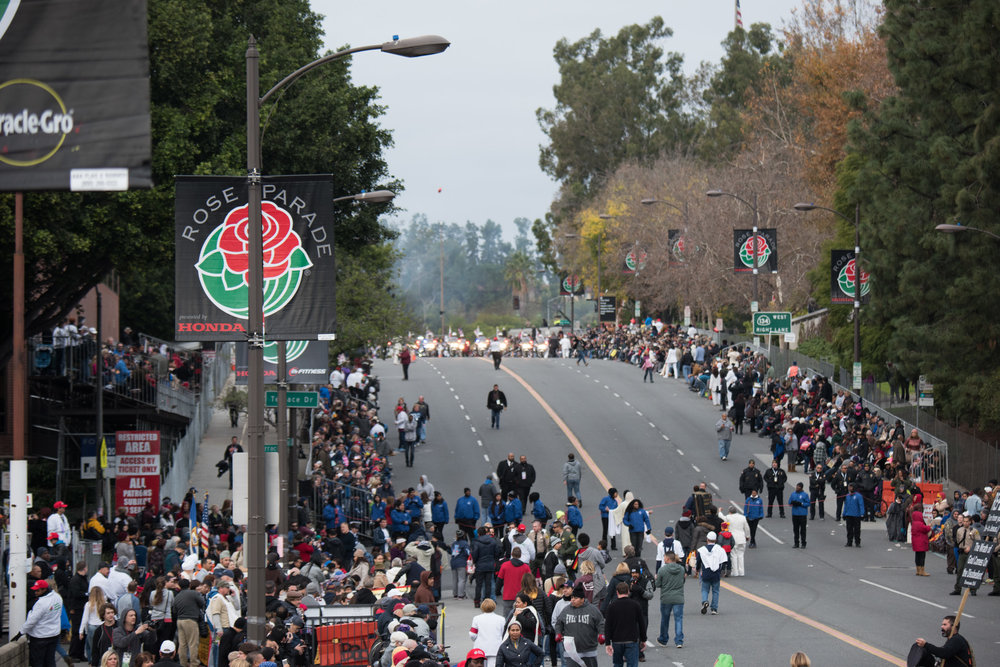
(805, 207)
(649, 201)
(957, 229)
(754, 305)
(255, 540)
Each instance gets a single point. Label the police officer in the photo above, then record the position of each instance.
(43, 626)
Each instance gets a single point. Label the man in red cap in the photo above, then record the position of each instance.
(474, 658)
(58, 523)
(43, 626)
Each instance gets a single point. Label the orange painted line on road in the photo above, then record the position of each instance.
(836, 634)
(589, 460)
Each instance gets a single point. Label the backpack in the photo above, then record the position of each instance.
(668, 545)
(648, 585)
(548, 512)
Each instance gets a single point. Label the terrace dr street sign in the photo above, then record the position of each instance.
(765, 324)
(295, 399)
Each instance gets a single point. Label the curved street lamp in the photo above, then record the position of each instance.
(255, 535)
(756, 219)
(957, 229)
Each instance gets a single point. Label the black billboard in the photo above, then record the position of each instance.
(74, 95)
(211, 215)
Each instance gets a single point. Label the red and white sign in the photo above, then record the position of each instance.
(138, 480)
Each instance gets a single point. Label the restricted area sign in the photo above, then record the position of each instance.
(765, 324)
(138, 481)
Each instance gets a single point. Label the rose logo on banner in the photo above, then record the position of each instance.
(763, 251)
(223, 262)
(846, 280)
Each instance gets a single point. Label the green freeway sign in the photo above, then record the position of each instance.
(772, 323)
(295, 399)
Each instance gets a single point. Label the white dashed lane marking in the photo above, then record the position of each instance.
(696, 468)
(487, 458)
(680, 452)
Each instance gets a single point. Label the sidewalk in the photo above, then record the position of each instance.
(213, 445)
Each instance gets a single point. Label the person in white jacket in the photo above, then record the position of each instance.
(43, 625)
(671, 363)
(740, 530)
(58, 523)
(487, 631)
(715, 386)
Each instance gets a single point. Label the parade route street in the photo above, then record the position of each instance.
(839, 605)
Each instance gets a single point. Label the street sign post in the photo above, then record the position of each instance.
(765, 324)
(925, 393)
(296, 399)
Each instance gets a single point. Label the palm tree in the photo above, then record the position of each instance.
(519, 273)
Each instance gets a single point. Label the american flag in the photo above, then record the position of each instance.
(193, 527)
(203, 528)
(739, 15)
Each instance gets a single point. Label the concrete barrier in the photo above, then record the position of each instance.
(14, 654)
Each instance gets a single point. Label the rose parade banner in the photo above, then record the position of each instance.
(676, 243)
(307, 362)
(211, 216)
(767, 250)
(74, 95)
(842, 267)
(570, 284)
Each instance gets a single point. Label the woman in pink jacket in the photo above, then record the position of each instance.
(919, 532)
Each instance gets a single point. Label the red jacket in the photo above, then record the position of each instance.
(919, 531)
(510, 574)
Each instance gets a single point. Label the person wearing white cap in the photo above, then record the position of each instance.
(710, 560)
(167, 651)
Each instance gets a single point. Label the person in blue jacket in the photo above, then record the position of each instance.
(637, 520)
(513, 510)
(608, 503)
(467, 513)
(574, 518)
(753, 510)
(460, 553)
(495, 512)
(414, 506)
(799, 500)
(538, 510)
(378, 509)
(333, 516)
(854, 509)
(439, 514)
(400, 521)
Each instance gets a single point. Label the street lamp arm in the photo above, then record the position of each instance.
(412, 47)
(652, 200)
(316, 63)
(723, 193)
(954, 229)
(810, 207)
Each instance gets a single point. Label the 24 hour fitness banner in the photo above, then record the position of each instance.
(74, 95)
(767, 250)
(842, 268)
(307, 362)
(211, 215)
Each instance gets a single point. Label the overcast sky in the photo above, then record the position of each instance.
(466, 136)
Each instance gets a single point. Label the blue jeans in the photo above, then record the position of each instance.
(629, 651)
(495, 418)
(724, 448)
(713, 586)
(573, 488)
(421, 431)
(678, 612)
(685, 372)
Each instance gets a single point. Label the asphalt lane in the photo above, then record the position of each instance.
(658, 440)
